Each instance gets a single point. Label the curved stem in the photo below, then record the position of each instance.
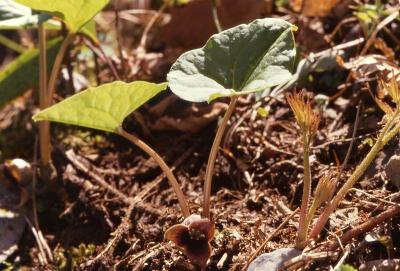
(212, 157)
(165, 168)
(56, 68)
(143, 39)
(214, 10)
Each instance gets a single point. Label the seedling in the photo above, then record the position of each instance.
(238, 61)
(391, 127)
(308, 122)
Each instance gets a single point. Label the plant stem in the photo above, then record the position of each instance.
(303, 221)
(212, 157)
(214, 10)
(44, 126)
(165, 168)
(143, 39)
(383, 138)
(56, 68)
(119, 45)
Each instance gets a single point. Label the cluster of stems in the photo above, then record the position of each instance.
(308, 122)
(47, 88)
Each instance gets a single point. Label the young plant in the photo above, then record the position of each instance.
(308, 121)
(238, 61)
(241, 60)
(391, 127)
(75, 19)
(104, 108)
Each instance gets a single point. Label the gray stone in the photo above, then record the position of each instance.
(274, 260)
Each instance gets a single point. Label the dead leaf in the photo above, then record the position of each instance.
(314, 7)
(386, 50)
(368, 66)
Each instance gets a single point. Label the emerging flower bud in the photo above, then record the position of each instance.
(306, 118)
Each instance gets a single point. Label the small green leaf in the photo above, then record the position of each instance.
(103, 107)
(75, 13)
(23, 72)
(243, 59)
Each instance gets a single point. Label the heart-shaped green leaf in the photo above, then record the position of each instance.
(242, 59)
(103, 107)
(75, 13)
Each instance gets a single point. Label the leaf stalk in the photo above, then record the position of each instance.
(213, 155)
(164, 167)
(44, 127)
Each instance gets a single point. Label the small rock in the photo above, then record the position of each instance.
(274, 260)
(392, 170)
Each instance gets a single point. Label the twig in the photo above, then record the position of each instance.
(378, 28)
(80, 166)
(260, 248)
(98, 50)
(143, 39)
(368, 225)
(342, 140)
(375, 197)
(303, 259)
(38, 242)
(56, 67)
(121, 55)
(43, 241)
(343, 258)
(353, 136)
(68, 62)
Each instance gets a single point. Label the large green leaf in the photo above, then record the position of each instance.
(23, 72)
(103, 107)
(75, 13)
(242, 59)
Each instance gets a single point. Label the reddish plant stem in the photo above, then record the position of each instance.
(212, 157)
(56, 68)
(303, 222)
(165, 168)
(44, 127)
